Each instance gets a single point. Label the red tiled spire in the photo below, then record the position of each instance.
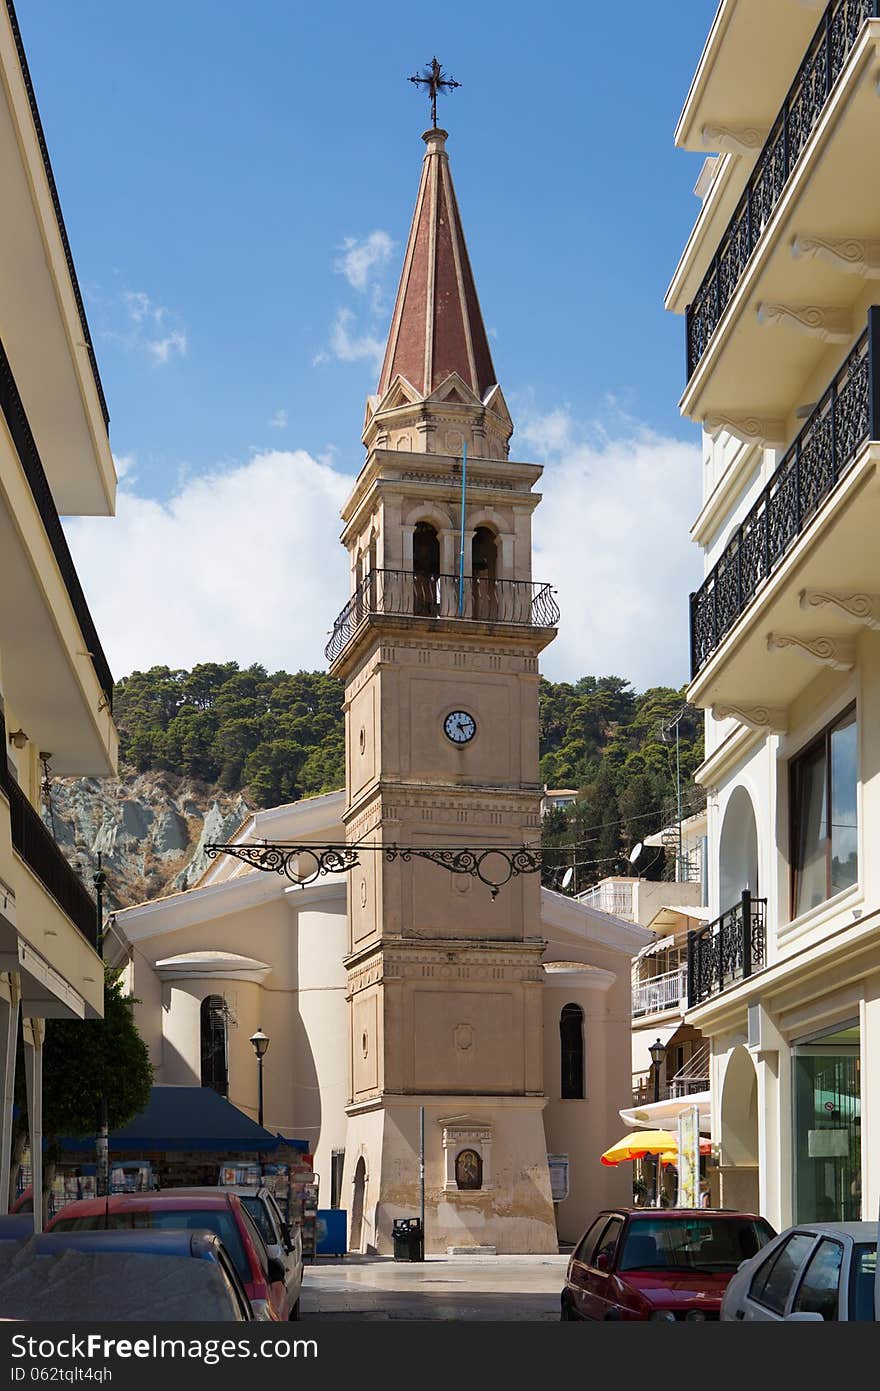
(437, 327)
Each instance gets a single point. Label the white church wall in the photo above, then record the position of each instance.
(321, 1038)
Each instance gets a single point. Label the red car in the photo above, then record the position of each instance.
(219, 1212)
(661, 1264)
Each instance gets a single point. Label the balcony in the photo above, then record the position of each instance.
(403, 594)
(799, 490)
(33, 843)
(826, 58)
(727, 951)
(659, 992)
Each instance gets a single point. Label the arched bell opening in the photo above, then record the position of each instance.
(426, 570)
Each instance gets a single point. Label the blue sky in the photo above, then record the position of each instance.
(238, 183)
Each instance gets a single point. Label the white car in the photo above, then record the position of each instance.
(811, 1272)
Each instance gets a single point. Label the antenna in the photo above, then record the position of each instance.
(567, 877)
(636, 852)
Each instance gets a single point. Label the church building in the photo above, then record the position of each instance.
(424, 976)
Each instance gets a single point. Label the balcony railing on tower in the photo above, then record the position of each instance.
(405, 594)
(825, 59)
(844, 419)
(727, 950)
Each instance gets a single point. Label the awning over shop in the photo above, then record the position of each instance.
(190, 1118)
(665, 1113)
(642, 1040)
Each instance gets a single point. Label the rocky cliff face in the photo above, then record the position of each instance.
(151, 829)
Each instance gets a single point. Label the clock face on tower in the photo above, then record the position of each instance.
(460, 727)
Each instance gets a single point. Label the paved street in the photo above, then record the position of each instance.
(454, 1287)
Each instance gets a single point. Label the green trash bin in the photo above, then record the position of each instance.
(407, 1239)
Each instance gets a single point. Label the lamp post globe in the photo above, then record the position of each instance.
(260, 1044)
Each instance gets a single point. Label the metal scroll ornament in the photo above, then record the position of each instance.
(494, 868)
(301, 864)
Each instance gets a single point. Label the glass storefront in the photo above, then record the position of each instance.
(827, 1127)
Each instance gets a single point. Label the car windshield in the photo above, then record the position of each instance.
(257, 1209)
(217, 1220)
(697, 1243)
(861, 1282)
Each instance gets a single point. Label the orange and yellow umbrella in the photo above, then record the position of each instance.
(639, 1143)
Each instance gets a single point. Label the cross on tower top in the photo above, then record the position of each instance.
(434, 78)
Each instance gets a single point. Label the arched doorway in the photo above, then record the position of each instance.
(739, 1133)
(359, 1185)
(426, 569)
(484, 569)
(738, 853)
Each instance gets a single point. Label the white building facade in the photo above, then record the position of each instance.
(778, 284)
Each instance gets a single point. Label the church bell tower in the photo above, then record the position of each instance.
(438, 648)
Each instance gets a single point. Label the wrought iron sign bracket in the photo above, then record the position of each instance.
(493, 865)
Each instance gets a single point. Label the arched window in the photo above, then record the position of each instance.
(468, 1169)
(215, 1061)
(484, 569)
(426, 568)
(571, 1034)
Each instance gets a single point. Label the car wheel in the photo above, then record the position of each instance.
(294, 1313)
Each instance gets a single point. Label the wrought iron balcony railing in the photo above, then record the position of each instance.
(17, 422)
(847, 415)
(401, 593)
(40, 853)
(825, 59)
(727, 950)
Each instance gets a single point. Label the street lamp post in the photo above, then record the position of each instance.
(658, 1056)
(260, 1043)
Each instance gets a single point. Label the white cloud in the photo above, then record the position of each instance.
(611, 535)
(351, 346)
(142, 325)
(356, 337)
(243, 564)
(361, 258)
(172, 345)
(279, 420)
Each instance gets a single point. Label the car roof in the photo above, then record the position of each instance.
(682, 1212)
(140, 1202)
(857, 1231)
(144, 1241)
(238, 1190)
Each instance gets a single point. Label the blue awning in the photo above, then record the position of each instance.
(189, 1118)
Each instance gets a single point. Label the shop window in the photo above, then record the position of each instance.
(824, 816)
(215, 1053)
(571, 1032)
(828, 1127)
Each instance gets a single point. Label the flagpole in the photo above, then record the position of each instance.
(461, 549)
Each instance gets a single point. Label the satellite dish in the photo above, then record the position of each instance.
(635, 852)
(567, 877)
